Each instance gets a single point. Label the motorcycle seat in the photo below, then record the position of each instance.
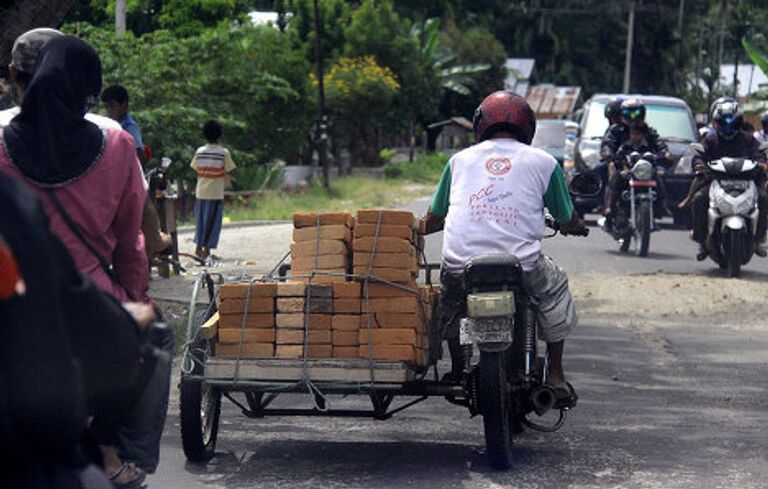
(492, 271)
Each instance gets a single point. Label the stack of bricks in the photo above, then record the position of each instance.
(346, 319)
(395, 323)
(321, 243)
(255, 328)
(385, 246)
(295, 308)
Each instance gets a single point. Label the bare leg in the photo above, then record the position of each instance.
(555, 356)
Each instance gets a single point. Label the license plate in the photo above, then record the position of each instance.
(486, 330)
(729, 185)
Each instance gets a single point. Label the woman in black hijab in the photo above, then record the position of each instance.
(50, 141)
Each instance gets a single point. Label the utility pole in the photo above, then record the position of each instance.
(630, 44)
(678, 54)
(322, 135)
(120, 17)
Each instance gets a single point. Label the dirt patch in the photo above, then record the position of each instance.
(660, 298)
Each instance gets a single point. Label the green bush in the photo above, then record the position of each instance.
(425, 168)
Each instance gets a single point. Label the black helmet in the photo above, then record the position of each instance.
(632, 109)
(764, 120)
(727, 119)
(613, 107)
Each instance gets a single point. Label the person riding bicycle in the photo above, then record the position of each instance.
(491, 199)
(727, 140)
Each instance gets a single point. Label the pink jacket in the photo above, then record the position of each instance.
(107, 205)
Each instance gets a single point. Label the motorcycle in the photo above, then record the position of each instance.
(163, 195)
(635, 207)
(509, 380)
(733, 211)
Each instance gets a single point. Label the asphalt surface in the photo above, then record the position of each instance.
(674, 405)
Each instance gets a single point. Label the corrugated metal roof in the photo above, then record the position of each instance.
(552, 101)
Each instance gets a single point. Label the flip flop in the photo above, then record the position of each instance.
(565, 396)
(136, 483)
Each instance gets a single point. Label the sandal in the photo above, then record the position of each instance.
(135, 483)
(565, 396)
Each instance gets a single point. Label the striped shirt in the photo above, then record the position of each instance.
(212, 163)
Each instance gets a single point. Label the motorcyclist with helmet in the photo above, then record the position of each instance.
(728, 139)
(632, 112)
(491, 200)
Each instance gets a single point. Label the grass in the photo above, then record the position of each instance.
(404, 182)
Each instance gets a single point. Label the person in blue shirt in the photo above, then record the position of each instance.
(115, 99)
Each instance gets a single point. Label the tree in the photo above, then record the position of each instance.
(19, 16)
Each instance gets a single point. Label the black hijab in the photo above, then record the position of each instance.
(50, 141)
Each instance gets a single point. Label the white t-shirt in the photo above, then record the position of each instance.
(99, 120)
(493, 196)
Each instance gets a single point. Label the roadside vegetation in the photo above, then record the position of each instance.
(402, 183)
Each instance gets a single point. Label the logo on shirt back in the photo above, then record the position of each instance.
(498, 165)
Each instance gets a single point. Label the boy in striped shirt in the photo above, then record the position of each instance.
(214, 167)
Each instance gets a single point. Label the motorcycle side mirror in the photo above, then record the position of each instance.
(586, 185)
(165, 162)
(697, 148)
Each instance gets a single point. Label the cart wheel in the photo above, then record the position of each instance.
(200, 407)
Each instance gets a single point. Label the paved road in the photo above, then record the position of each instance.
(679, 405)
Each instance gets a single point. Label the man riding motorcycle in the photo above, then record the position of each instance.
(491, 200)
(632, 111)
(728, 139)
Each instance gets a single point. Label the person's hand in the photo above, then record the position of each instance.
(625, 172)
(574, 226)
(763, 166)
(699, 166)
(142, 313)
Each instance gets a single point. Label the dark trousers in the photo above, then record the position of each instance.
(143, 427)
(700, 206)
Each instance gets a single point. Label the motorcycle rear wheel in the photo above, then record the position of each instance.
(496, 408)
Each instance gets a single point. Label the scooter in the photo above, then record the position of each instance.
(733, 211)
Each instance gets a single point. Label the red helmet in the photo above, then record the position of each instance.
(505, 111)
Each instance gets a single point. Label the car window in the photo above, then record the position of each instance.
(670, 122)
(549, 136)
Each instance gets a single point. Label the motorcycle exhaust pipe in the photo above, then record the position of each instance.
(542, 399)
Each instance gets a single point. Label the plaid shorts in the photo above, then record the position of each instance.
(547, 287)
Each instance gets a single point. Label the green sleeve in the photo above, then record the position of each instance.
(442, 198)
(557, 199)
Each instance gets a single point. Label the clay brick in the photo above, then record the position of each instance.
(325, 276)
(338, 232)
(246, 349)
(413, 321)
(255, 304)
(401, 305)
(309, 219)
(346, 306)
(289, 351)
(296, 305)
(238, 291)
(373, 216)
(386, 230)
(345, 338)
(346, 290)
(255, 335)
(387, 336)
(322, 247)
(294, 288)
(346, 352)
(376, 290)
(296, 337)
(392, 274)
(387, 260)
(394, 353)
(296, 321)
(322, 262)
(383, 245)
(346, 322)
(251, 320)
(319, 351)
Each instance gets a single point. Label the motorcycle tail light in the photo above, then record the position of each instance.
(491, 304)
